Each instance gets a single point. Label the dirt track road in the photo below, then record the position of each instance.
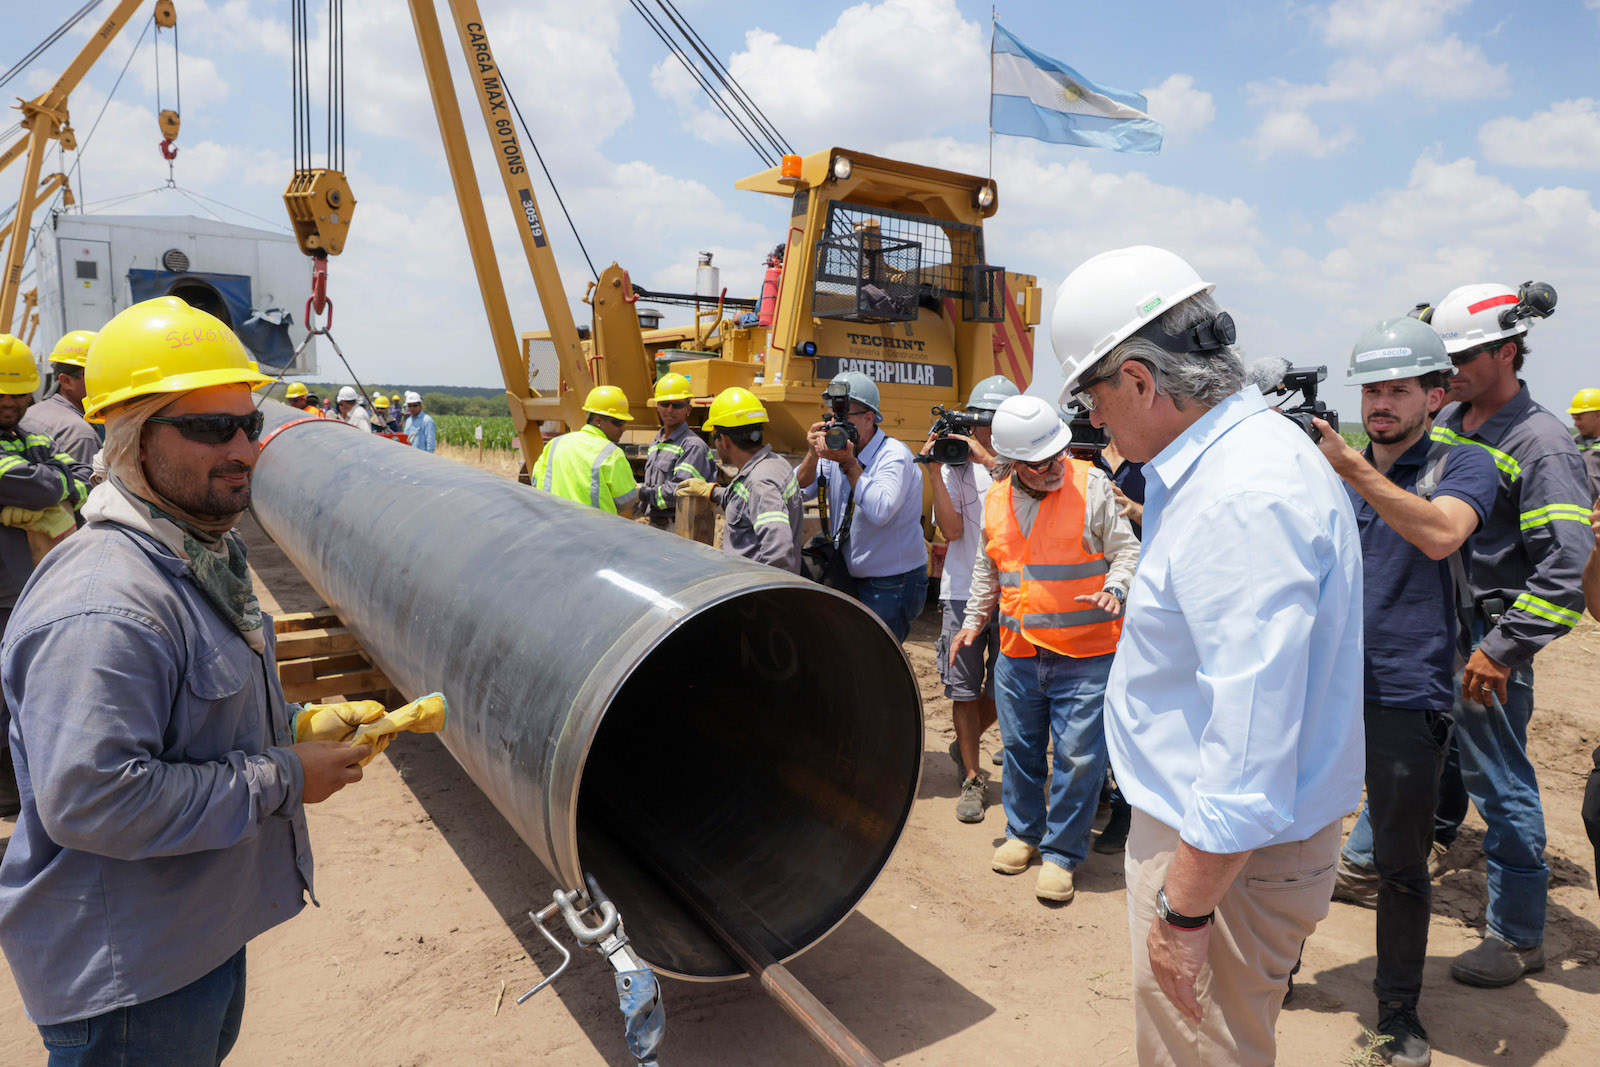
(424, 890)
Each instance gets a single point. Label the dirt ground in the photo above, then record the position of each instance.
(424, 891)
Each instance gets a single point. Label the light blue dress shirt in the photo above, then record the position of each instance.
(420, 429)
(1233, 711)
(886, 530)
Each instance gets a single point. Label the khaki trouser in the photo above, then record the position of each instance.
(1263, 919)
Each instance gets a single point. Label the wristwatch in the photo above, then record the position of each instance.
(1119, 593)
(1183, 922)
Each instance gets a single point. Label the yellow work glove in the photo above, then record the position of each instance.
(334, 722)
(52, 521)
(694, 487)
(425, 716)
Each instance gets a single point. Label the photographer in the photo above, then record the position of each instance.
(1055, 560)
(1417, 504)
(874, 496)
(958, 495)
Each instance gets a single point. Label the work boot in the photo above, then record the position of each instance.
(10, 799)
(1055, 883)
(1495, 963)
(1408, 1041)
(1438, 860)
(1114, 838)
(970, 807)
(1356, 884)
(1013, 857)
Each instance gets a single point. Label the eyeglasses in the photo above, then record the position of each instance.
(675, 405)
(1039, 466)
(1461, 359)
(213, 429)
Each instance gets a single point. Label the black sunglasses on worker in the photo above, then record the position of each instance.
(213, 429)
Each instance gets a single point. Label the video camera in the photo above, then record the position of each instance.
(837, 429)
(1304, 380)
(948, 449)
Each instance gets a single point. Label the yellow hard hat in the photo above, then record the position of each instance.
(163, 346)
(73, 348)
(295, 390)
(607, 400)
(379, 400)
(735, 407)
(672, 387)
(1585, 400)
(18, 374)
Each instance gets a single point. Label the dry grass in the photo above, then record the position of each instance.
(495, 461)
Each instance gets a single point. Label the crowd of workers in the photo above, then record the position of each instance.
(1160, 598)
(403, 417)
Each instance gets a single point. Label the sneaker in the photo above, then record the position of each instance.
(1114, 838)
(1438, 860)
(1055, 883)
(970, 807)
(1408, 1041)
(1495, 963)
(1356, 884)
(997, 757)
(1013, 857)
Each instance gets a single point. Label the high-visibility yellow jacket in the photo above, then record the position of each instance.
(586, 467)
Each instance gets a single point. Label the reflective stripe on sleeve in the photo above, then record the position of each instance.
(1552, 512)
(1545, 610)
(549, 464)
(686, 470)
(1503, 460)
(772, 516)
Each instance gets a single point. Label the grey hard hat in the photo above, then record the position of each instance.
(1401, 347)
(990, 393)
(861, 389)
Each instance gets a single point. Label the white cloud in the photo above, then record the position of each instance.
(1180, 107)
(849, 88)
(1296, 133)
(1566, 135)
(1381, 24)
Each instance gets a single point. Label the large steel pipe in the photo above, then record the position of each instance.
(617, 692)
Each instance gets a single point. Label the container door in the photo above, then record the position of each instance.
(86, 283)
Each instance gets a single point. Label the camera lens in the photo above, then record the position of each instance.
(950, 451)
(836, 437)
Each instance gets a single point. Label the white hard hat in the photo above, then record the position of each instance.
(1470, 315)
(1029, 429)
(1109, 297)
(413, 397)
(347, 393)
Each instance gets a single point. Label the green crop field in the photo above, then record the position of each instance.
(458, 430)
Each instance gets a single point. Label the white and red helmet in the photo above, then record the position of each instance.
(1473, 315)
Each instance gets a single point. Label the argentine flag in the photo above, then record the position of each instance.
(1036, 96)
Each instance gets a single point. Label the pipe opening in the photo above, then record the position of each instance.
(768, 749)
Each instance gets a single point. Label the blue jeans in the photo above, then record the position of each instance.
(195, 1026)
(1499, 777)
(1052, 699)
(897, 599)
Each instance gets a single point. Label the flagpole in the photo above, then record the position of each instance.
(994, 20)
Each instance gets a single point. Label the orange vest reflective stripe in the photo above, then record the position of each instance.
(1041, 574)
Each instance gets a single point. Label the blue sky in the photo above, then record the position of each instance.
(1326, 165)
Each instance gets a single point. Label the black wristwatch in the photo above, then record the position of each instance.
(1183, 922)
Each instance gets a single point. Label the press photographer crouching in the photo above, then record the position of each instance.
(961, 449)
(1055, 560)
(871, 495)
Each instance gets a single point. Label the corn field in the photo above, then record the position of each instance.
(458, 430)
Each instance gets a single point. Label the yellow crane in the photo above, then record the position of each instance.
(45, 119)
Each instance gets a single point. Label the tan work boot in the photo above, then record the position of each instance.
(1055, 883)
(1013, 857)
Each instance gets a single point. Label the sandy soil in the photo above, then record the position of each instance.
(424, 891)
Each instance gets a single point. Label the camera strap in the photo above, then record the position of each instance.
(849, 513)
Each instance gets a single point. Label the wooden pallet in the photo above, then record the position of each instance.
(319, 658)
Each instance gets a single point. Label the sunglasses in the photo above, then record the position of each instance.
(1461, 359)
(1042, 465)
(213, 429)
(675, 405)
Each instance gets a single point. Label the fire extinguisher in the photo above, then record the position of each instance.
(769, 286)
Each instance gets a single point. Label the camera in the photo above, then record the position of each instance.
(1087, 438)
(1304, 380)
(837, 429)
(948, 449)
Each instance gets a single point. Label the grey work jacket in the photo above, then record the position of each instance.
(761, 512)
(161, 825)
(670, 462)
(62, 421)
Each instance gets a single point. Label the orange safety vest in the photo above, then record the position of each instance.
(1041, 574)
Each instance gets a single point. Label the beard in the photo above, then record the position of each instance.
(201, 498)
(1046, 482)
(1399, 432)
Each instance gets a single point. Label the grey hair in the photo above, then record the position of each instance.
(1204, 378)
